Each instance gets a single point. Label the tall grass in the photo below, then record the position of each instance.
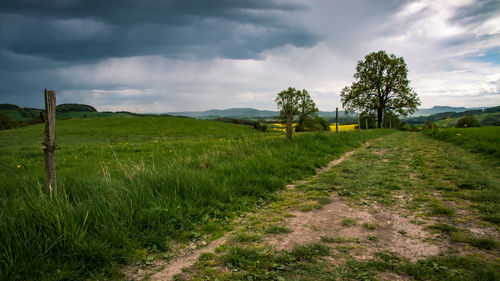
(135, 183)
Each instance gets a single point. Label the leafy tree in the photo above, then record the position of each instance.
(381, 86)
(467, 121)
(288, 104)
(67, 107)
(324, 124)
(391, 120)
(6, 122)
(307, 110)
(367, 119)
(491, 120)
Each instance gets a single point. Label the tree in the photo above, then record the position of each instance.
(6, 122)
(381, 86)
(288, 104)
(467, 121)
(307, 110)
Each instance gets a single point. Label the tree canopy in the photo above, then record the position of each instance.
(381, 86)
(67, 107)
(288, 104)
(307, 110)
(292, 102)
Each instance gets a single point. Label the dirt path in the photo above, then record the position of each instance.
(189, 256)
(369, 203)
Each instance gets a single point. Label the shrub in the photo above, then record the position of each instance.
(467, 121)
(429, 125)
(259, 126)
(410, 128)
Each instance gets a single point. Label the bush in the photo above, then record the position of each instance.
(429, 125)
(410, 128)
(313, 124)
(467, 121)
(259, 126)
(323, 123)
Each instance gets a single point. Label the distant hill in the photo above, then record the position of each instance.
(255, 113)
(231, 112)
(441, 109)
(67, 107)
(240, 113)
(452, 116)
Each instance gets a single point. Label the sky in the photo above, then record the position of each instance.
(190, 55)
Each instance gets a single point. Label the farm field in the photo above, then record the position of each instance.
(402, 207)
(131, 187)
(451, 122)
(281, 127)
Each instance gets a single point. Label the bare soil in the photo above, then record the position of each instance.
(309, 227)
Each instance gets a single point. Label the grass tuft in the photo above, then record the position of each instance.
(276, 229)
(349, 222)
(309, 251)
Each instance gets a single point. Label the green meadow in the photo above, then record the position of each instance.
(126, 185)
(485, 140)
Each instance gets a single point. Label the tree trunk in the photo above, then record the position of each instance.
(289, 128)
(336, 119)
(379, 118)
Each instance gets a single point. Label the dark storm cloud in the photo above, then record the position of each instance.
(478, 12)
(88, 30)
(38, 37)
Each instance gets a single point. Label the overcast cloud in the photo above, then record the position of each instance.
(177, 55)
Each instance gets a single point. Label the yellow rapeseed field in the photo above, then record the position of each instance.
(281, 127)
(343, 127)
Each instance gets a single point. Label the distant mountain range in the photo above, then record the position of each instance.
(251, 112)
(439, 109)
(239, 113)
(18, 113)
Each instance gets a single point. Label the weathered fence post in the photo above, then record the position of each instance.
(366, 123)
(49, 140)
(336, 119)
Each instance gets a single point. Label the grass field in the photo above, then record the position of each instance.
(133, 185)
(405, 207)
(484, 140)
(451, 122)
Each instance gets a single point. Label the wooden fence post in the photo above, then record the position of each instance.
(49, 141)
(366, 123)
(336, 119)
